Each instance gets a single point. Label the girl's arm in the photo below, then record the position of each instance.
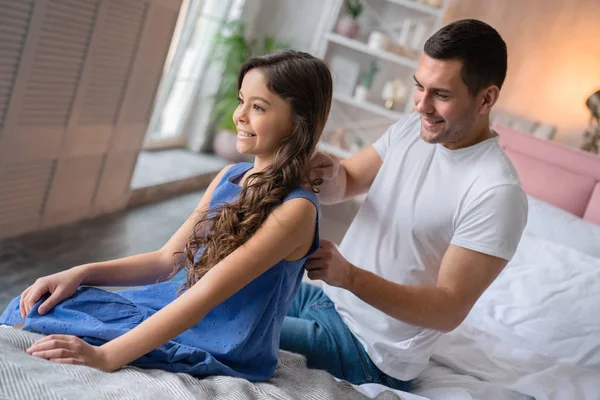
(149, 267)
(289, 229)
(129, 271)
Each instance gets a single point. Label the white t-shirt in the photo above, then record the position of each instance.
(424, 198)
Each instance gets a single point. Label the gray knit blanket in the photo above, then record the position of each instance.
(28, 378)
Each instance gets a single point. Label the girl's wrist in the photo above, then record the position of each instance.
(107, 362)
(82, 272)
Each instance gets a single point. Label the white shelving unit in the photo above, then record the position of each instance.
(364, 120)
(370, 107)
(362, 47)
(424, 8)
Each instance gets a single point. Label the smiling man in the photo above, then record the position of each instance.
(444, 214)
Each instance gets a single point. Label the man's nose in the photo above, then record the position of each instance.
(423, 104)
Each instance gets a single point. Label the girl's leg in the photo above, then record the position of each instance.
(19, 326)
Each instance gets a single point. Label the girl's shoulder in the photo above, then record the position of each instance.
(238, 168)
(304, 192)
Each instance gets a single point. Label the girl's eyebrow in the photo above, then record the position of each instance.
(256, 98)
(259, 98)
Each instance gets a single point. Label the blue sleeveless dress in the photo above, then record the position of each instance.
(239, 337)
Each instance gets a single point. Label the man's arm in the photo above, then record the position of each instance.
(355, 175)
(345, 179)
(464, 275)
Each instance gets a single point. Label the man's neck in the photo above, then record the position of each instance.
(472, 139)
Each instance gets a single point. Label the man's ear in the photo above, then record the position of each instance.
(489, 97)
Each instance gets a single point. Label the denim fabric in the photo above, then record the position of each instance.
(314, 329)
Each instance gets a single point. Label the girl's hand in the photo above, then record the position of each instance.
(67, 349)
(61, 286)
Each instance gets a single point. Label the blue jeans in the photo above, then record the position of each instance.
(314, 329)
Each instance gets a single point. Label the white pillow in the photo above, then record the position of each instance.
(558, 225)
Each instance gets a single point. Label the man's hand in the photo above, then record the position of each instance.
(330, 266)
(324, 166)
(68, 349)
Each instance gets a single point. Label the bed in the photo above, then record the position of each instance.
(534, 334)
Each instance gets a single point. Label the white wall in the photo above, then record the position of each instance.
(291, 20)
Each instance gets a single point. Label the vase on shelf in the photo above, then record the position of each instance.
(394, 93)
(378, 41)
(361, 93)
(348, 25)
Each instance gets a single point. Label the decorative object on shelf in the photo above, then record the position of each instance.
(406, 40)
(233, 49)
(418, 37)
(404, 32)
(379, 41)
(356, 145)
(432, 3)
(366, 81)
(348, 25)
(394, 92)
(591, 136)
(345, 74)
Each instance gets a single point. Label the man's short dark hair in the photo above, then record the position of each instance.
(479, 47)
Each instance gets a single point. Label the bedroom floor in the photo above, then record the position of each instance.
(133, 231)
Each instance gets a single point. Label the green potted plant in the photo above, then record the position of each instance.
(348, 25)
(366, 82)
(233, 49)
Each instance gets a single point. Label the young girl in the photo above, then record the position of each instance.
(244, 250)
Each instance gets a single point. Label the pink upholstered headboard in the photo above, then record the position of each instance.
(565, 177)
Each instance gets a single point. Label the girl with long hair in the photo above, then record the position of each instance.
(243, 249)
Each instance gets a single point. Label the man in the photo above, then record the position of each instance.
(443, 216)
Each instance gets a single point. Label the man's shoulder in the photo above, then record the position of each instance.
(497, 167)
(406, 129)
(408, 125)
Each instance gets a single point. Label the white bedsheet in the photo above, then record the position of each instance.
(534, 334)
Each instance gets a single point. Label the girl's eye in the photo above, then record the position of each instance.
(258, 108)
(240, 101)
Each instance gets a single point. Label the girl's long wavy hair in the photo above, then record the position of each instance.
(305, 83)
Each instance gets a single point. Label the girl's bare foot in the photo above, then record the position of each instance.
(19, 326)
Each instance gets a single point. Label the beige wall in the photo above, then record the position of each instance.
(77, 84)
(554, 57)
